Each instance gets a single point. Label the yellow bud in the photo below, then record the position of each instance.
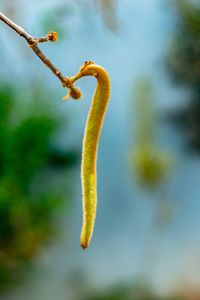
(53, 36)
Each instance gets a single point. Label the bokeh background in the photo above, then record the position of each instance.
(146, 243)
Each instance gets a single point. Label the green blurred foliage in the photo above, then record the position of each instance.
(135, 291)
(185, 51)
(150, 164)
(28, 211)
(184, 66)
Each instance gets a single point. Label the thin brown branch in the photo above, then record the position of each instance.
(32, 42)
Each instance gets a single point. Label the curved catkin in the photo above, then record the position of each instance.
(90, 146)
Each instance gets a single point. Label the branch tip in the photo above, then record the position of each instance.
(53, 36)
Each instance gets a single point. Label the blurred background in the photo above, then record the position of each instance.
(146, 242)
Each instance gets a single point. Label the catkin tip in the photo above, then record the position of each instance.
(84, 245)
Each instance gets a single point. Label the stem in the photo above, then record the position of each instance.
(32, 42)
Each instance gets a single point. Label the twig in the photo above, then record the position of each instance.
(32, 42)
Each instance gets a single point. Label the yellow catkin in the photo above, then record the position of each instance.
(90, 146)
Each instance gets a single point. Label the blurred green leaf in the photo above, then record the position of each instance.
(184, 66)
(27, 212)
